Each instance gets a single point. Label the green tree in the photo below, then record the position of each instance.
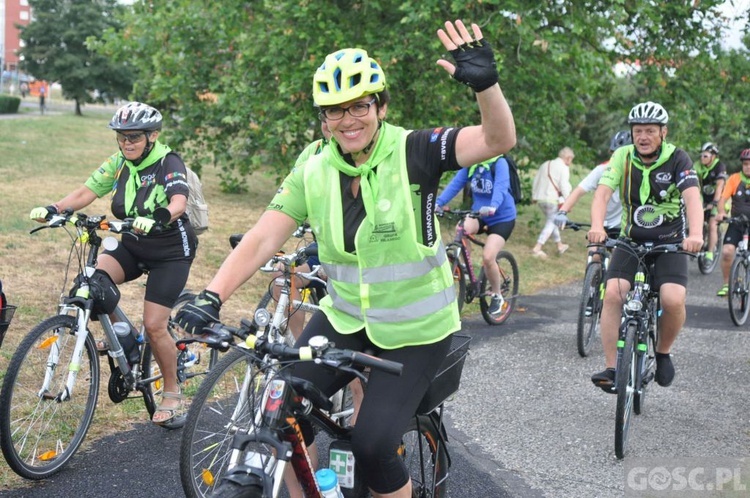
(237, 77)
(55, 49)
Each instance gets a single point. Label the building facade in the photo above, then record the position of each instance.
(12, 12)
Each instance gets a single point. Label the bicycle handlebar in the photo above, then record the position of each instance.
(220, 336)
(100, 222)
(458, 213)
(577, 226)
(295, 258)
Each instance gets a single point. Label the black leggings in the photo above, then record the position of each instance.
(389, 404)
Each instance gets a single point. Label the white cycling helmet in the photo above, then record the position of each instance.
(136, 116)
(710, 147)
(648, 113)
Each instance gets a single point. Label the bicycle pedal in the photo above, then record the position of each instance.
(647, 378)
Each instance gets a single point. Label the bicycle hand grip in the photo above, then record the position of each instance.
(387, 366)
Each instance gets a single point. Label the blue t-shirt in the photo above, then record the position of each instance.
(486, 190)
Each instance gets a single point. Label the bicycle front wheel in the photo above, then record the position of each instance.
(590, 308)
(625, 387)
(223, 405)
(39, 430)
(739, 286)
(425, 457)
(508, 289)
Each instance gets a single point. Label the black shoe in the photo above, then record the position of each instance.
(496, 305)
(605, 380)
(664, 369)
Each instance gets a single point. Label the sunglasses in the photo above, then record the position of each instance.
(133, 138)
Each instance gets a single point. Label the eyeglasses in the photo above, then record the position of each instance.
(356, 111)
(133, 138)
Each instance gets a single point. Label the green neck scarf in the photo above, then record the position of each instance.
(368, 186)
(157, 153)
(703, 171)
(744, 178)
(645, 190)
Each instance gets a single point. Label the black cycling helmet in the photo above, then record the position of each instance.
(710, 147)
(136, 116)
(745, 155)
(619, 139)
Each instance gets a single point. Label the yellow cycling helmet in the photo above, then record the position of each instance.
(347, 75)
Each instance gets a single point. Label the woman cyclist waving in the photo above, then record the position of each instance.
(369, 197)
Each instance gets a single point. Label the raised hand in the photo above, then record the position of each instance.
(475, 63)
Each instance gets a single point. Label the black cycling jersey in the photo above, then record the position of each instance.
(429, 154)
(709, 178)
(168, 175)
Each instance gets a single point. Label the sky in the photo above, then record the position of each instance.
(735, 32)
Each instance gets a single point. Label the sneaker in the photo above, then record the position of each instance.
(605, 380)
(561, 249)
(664, 369)
(496, 304)
(708, 256)
(723, 291)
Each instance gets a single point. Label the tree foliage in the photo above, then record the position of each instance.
(235, 79)
(55, 49)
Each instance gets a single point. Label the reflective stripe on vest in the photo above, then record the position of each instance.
(428, 306)
(388, 273)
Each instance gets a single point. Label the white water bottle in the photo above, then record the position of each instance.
(128, 341)
(328, 483)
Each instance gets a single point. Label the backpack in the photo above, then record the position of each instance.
(516, 189)
(196, 209)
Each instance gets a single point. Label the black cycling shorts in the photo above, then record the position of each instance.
(503, 229)
(389, 404)
(669, 268)
(734, 234)
(166, 279)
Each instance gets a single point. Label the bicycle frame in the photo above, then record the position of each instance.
(641, 309)
(461, 246)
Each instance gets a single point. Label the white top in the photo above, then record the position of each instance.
(613, 219)
(543, 189)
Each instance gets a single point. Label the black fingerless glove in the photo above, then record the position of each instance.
(201, 312)
(475, 65)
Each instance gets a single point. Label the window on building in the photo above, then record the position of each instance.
(24, 15)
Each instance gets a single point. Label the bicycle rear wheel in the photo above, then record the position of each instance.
(508, 289)
(425, 457)
(223, 405)
(38, 432)
(590, 308)
(459, 280)
(624, 384)
(739, 286)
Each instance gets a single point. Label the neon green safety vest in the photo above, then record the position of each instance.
(400, 291)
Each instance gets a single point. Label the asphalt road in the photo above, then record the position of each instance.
(527, 421)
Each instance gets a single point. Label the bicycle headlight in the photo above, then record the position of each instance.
(634, 305)
(262, 317)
